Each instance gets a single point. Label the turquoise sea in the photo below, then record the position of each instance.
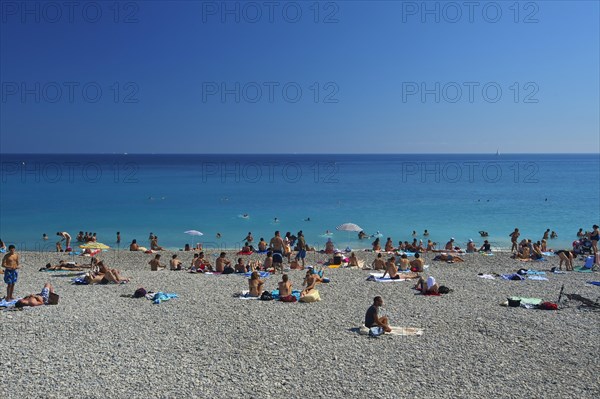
(449, 195)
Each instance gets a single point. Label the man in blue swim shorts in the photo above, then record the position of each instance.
(10, 263)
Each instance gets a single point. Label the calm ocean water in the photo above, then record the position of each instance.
(449, 195)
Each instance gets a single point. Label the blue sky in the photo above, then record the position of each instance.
(374, 77)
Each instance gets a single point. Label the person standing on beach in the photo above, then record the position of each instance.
(594, 237)
(65, 236)
(276, 243)
(372, 318)
(10, 263)
(546, 234)
(301, 248)
(118, 237)
(514, 236)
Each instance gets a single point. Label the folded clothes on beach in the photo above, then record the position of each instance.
(594, 283)
(398, 331)
(487, 276)
(535, 272)
(548, 254)
(528, 303)
(79, 281)
(513, 276)
(378, 278)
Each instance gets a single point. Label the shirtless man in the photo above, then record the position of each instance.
(66, 237)
(10, 263)
(310, 281)
(416, 265)
(240, 267)
(450, 245)
(514, 236)
(63, 265)
(262, 245)
(285, 290)
(255, 285)
(376, 245)
(134, 246)
(36, 299)
(175, 263)
(378, 263)
(391, 269)
(471, 246)
(268, 264)
(155, 264)
(389, 245)
(404, 262)
(352, 260)
(249, 237)
(221, 262)
(276, 243)
(546, 234)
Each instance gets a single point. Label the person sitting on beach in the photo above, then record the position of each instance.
(240, 267)
(285, 290)
(450, 245)
(566, 257)
(372, 318)
(390, 268)
(175, 263)
(94, 239)
(449, 258)
(430, 246)
(389, 245)
(376, 245)
(420, 247)
(155, 264)
(195, 264)
(486, 247)
(427, 287)
(352, 260)
(154, 245)
(580, 233)
(104, 275)
(247, 248)
(187, 248)
(199, 264)
(262, 245)
(134, 246)
(362, 235)
(537, 251)
(268, 263)
(378, 263)
(471, 248)
(36, 299)
(310, 280)
(544, 246)
(221, 262)
(404, 262)
(255, 285)
(417, 264)
(79, 237)
(329, 246)
(524, 253)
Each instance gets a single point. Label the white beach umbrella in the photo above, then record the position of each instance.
(194, 233)
(349, 227)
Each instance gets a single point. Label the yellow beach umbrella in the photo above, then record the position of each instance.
(94, 245)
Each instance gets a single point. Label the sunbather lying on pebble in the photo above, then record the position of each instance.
(428, 286)
(36, 299)
(449, 258)
(62, 265)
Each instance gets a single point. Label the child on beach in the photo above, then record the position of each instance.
(10, 263)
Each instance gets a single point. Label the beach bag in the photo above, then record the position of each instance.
(266, 296)
(53, 299)
(376, 331)
(314, 296)
(548, 306)
(139, 293)
(289, 298)
(443, 289)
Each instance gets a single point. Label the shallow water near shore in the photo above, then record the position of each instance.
(449, 195)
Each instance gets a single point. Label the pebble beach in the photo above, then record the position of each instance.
(98, 342)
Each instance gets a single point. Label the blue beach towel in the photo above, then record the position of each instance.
(538, 278)
(594, 283)
(548, 254)
(162, 297)
(513, 276)
(262, 252)
(535, 273)
(261, 274)
(275, 294)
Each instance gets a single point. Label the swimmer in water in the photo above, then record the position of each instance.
(218, 235)
(307, 220)
(276, 220)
